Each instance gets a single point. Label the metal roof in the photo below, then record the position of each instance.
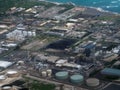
(111, 71)
(62, 73)
(77, 77)
(5, 64)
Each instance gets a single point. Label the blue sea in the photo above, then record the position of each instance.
(109, 5)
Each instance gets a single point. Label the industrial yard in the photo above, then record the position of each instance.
(61, 45)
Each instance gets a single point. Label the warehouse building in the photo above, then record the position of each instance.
(5, 64)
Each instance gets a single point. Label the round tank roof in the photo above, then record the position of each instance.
(6, 87)
(44, 73)
(61, 75)
(12, 72)
(49, 71)
(76, 78)
(92, 82)
(2, 77)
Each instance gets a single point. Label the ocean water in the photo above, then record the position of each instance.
(109, 5)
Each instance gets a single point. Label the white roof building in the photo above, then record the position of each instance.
(5, 64)
(3, 26)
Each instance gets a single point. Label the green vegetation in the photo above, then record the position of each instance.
(106, 18)
(110, 18)
(41, 86)
(67, 7)
(6, 4)
(36, 85)
(117, 20)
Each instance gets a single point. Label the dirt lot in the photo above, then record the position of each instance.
(35, 45)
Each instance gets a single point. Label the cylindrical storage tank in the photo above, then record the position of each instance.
(49, 71)
(61, 75)
(92, 82)
(77, 79)
(20, 62)
(2, 78)
(44, 74)
(12, 73)
(7, 88)
(49, 75)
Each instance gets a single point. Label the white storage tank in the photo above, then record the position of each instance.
(92, 82)
(7, 88)
(44, 74)
(2, 78)
(12, 73)
(3, 26)
(49, 71)
(49, 75)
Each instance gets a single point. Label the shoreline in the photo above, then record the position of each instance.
(96, 8)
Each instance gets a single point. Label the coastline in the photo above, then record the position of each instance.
(96, 8)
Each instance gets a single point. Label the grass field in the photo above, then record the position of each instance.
(6, 4)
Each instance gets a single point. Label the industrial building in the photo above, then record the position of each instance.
(60, 44)
(3, 27)
(20, 33)
(5, 64)
(43, 58)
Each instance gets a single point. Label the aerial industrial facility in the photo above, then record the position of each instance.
(60, 44)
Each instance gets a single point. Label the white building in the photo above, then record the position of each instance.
(20, 33)
(5, 64)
